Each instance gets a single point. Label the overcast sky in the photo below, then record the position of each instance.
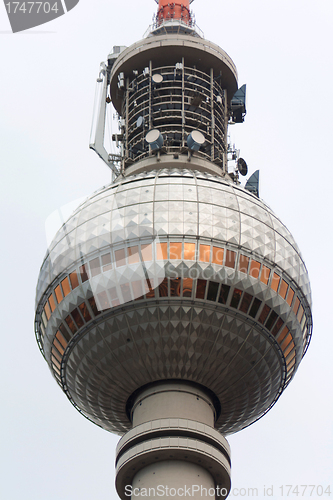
(283, 51)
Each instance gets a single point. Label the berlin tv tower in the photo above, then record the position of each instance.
(173, 307)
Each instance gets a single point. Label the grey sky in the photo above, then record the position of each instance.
(283, 51)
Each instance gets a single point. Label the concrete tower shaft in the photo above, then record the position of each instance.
(173, 443)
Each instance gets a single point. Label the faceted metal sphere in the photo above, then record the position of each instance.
(173, 274)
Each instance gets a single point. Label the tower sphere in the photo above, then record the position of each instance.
(173, 275)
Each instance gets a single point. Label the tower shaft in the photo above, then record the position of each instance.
(173, 445)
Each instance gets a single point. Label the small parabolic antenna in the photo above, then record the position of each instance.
(140, 122)
(242, 166)
(195, 140)
(154, 139)
(157, 78)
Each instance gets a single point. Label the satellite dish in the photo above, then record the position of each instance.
(195, 140)
(157, 78)
(154, 139)
(140, 122)
(242, 166)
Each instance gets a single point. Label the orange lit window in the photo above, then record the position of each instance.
(204, 253)
(175, 287)
(147, 253)
(106, 262)
(283, 289)
(56, 354)
(300, 313)
(65, 286)
(243, 263)
(84, 311)
(52, 302)
(47, 310)
(264, 313)
(265, 274)
(93, 306)
(70, 324)
(187, 287)
(287, 341)
(230, 258)
(61, 339)
(120, 257)
(290, 357)
(283, 334)
(290, 296)
(289, 349)
(64, 332)
(77, 318)
(254, 269)
(189, 251)
(162, 251)
(133, 255)
(56, 366)
(58, 293)
(137, 290)
(275, 282)
(291, 364)
(296, 305)
(163, 288)
(58, 346)
(74, 280)
(201, 288)
(95, 267)
(175, 250)
(218, 256)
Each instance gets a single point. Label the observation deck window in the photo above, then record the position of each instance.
(255, 269)
(230, 259)
(243, 265)
(65, 286)
(106, 262)
(265, 274)
(133, 254)
(275, 282)
(74, 280)
(189, 251)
